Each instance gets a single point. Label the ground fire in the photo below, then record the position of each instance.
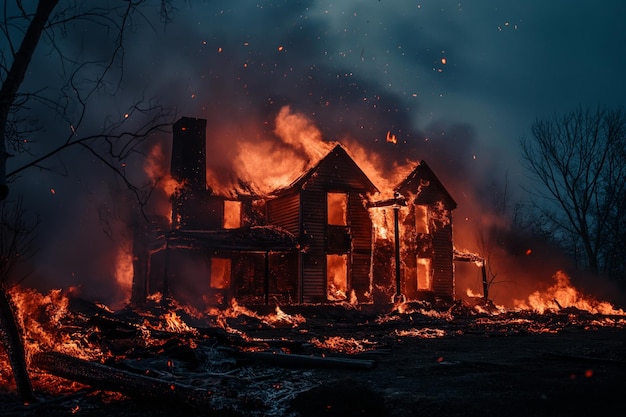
(317, 287)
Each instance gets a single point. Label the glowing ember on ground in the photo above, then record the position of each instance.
(343, 345)
(425, 333)
(279, 317)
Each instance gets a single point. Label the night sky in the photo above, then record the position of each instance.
(458, 83)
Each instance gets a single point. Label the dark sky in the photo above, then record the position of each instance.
(458, 83)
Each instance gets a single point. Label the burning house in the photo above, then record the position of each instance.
(316, 240)
(325, 208)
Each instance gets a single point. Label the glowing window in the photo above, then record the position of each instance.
(336, 277)
(421, 219)
(232, 214)
(220, 273)
(337, 204)
(424, 274)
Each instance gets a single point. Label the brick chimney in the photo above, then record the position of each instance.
(194, 206)
(189, 153)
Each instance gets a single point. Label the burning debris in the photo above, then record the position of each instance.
(241, 361)
(246, 303)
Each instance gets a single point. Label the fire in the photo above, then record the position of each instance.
(173, 323)
(156, 168)
(563, 295)
(41, 317)
(424, 333)
(268, 164)
(343, 345)
(391, 138)
(279, 317)
(124, 268)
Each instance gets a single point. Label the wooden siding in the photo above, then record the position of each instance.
(443, 267)
(335, 173)
(426, 189)
(313, 235)
(361, 229)
(284, 211)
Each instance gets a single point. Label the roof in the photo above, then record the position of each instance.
(338, 152)
(413, 183)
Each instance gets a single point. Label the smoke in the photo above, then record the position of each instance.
(254, 71)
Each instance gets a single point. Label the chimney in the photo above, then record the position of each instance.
(189, 153)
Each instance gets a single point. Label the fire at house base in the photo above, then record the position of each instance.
(414, 359)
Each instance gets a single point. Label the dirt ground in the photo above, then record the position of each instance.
(567, 363)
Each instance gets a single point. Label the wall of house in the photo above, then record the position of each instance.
(284, 211)
(361, 247)
(336, 173)
(443, 265)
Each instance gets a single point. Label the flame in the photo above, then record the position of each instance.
(391, 138)
(173, 323)
(343, 345)
(563, 295)
(41, 317)
(155, 167)
(124, 269)
(472, 294)
(423, 333)
(279, 317)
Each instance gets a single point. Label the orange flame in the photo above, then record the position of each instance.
(155, 166)
(124, 269)
(562, 295)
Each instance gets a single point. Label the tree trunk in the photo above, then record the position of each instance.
(11, 337)
(15, 77)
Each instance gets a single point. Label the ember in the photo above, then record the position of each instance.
(355, 275)
(268, 357)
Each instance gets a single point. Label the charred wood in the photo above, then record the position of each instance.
(12, 339)
(108, 378)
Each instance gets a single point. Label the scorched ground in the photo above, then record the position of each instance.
(343, 360)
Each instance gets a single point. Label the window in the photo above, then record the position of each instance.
(220, 273)
(421, 219)
(337, 204)
(424, 274)
(232, 214)
(336, 277)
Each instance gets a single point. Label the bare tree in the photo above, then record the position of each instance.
(577, 162)
(79, 82)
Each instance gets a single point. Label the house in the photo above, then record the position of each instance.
(326, 209)
(427, 236)
(212, 250)
(312, 241)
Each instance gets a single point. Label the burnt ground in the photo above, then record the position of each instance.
(457, 363)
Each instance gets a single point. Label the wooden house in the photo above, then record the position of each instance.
(211, 251)
(310, 242)
(426, 240)
(326, 209)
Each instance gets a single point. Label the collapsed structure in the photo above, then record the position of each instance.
(312, 241)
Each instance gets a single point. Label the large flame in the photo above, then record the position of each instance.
(563, 295)
(124, 268)
(157, 170)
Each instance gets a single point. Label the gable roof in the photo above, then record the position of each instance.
(336, 160)
(434, 191)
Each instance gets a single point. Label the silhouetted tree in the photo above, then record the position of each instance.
(578, 164)
(79, 81)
